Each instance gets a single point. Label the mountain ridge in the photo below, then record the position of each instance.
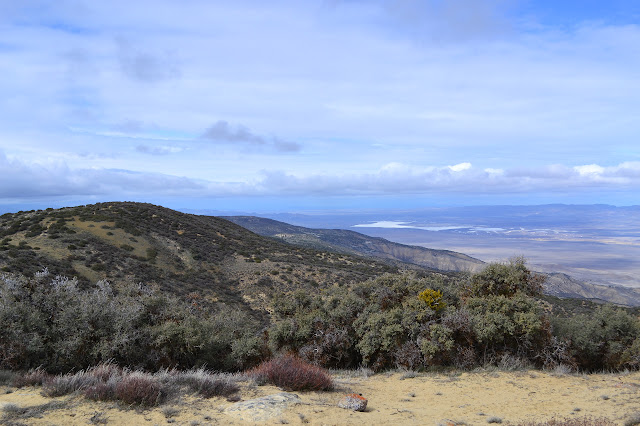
(356, 243)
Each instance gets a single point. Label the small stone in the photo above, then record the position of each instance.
(353, 402)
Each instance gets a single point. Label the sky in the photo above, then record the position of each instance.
(327, 104)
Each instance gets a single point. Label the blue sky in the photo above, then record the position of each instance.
(289, 105)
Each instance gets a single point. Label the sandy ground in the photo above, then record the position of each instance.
(460, 398)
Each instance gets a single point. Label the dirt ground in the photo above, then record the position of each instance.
(471, 398)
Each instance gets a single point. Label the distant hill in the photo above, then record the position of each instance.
(188, 255)
(562, 285)
(354, 243)
(557, 284)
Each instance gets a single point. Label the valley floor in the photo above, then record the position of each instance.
(394, 398)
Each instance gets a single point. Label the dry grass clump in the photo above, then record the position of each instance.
(7, 377)
(205, 383)
(102, 391)
(578, 421)
(291, 373)
(34, 377)
(13, 411)
(633, 420)
(70, 383)
(139, 389)
(108, 382)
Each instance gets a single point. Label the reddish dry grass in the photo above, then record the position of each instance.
(217, 387)
(139, 390)
(291, 373)
(105, 370)
(35, 377)
(101, 392)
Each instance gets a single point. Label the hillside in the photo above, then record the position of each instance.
(201, 256)
(359, 244)
(562, 285)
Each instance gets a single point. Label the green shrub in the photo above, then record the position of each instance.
(505, 279)
(55, 323)
(515, 325)
(604, 339)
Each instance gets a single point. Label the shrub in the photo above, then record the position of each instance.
(35, 377)
(505, 279)
(516, 325)
(291, 373)
(138, 389)
(7, 377)
(206, 384)
(105, 371)
(102, 391)
(433, 299)
(64, 385)
(54, 322)
(211, 386)
(604, 339)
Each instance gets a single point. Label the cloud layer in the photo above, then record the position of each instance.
(322, 98)
(25, 181)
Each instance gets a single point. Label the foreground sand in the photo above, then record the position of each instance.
(469, 398)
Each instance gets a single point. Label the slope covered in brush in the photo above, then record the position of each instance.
(185, 254)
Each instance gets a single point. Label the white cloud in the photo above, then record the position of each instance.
(495, 172)
(589, 170)
(460, 167)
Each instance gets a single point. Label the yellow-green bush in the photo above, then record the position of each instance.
(433, 299)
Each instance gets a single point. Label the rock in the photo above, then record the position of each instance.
(353, 402)
(261, 409)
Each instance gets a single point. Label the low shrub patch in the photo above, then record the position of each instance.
(69, 383)
(101, 392)
(137, 389)
(35, 377)
(211, 387)
(292, 373)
